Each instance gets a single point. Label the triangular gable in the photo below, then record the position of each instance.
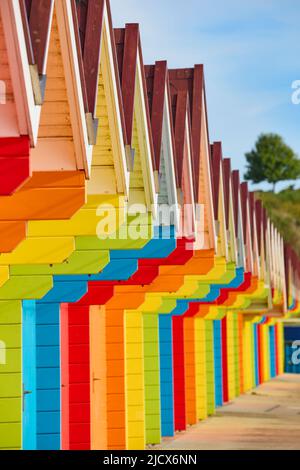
(23, 88)
(219, 199)
(109, 166)
(253, 229)
(163, 135)
(229, 211)
(260, 238)
(192, 80)
(63, 122)
(238, 219)
(184, 160)
(246, 226)
(266, 245)
(143, 189)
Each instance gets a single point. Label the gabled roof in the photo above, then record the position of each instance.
(227, 187)
(129, 52)
(236, 195)
(191, 80)
(219, 195)
(90, 23)
(182, 130)
(103, 90)
(36, 18)
(159, 98)
(135, 104)
(258, 214)
(247, 229)
(217, 157)
(158, 90)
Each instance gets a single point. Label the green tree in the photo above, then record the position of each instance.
(272, 160)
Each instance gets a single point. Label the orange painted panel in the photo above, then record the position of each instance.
(11, 234)
(116, 435)
(47, 195)
(133, 301)
(98, 379)
(190, 371)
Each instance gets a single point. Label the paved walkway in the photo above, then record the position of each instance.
(267, 418)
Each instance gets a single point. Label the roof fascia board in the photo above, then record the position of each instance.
(188, 137)
(39, 25)
(114, 107)
(168, 150)
(208, 180)
(222, 215)
(83, 150)
(144, 136)
(28, 112)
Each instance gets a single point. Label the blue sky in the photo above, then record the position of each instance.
(251, 53)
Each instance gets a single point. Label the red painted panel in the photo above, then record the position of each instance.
(78, 377)
(14, 147)
(14, 164)
(179, 374)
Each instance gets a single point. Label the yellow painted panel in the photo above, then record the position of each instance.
(134, 382)
(4, 275)
(40, 251)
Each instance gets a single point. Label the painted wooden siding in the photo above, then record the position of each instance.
(189, 366)
(166, 375)
(179, 373)
(115, 356)
(8, 117)
(79, 378)
(201, 366)
(29, 375)
(4, 67)
(218, 362)
(134, 380)
(10, 376)
(55, 117)
(163, 183)
(48, 376)
(137, 193)
(98, 379)
(152, 382)
(103, 177)
(210, 378)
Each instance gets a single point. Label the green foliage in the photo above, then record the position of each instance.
(272, 160)
(284, 210)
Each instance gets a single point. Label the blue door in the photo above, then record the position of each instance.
(292, 349)
(218, 362)
(48, 376)
(166, 375)
(272, 351)
(29, 376)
